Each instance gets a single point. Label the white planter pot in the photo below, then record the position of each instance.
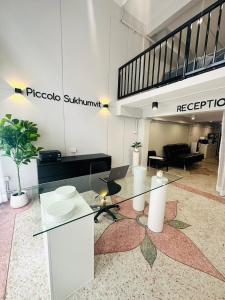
(17, 201)
(136, 156)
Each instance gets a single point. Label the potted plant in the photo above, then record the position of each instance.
(136, 146)
(16, 142)
(136, 154)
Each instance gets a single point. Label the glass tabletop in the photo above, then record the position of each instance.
(50, 209)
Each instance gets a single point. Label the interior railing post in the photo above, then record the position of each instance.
(206, 37)
(196, 43)
(128, 80)
(132, 76)
(159, 63)
(124, 83)
(119, 86)
(139, 75)
(178, 54)
(187, 49)
(125, 92)
(143, 77)
(153, 66)
(217, 32)
(171, 56)
(135, 76)
(149, 60)
(165, 56)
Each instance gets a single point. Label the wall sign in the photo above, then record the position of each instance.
(66, 98)
(212, 103)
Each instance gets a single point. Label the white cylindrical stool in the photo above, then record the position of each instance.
(157, 203)
(136, 155)
(139, 183)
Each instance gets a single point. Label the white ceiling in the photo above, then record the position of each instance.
(204, 117)
(159, 15)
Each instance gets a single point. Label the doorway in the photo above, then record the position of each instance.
(191, 134)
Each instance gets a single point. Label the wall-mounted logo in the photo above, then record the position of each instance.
(66, 98)
(200, 105)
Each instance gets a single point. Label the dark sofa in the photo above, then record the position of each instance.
(180, 155)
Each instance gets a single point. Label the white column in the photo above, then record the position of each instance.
(220, 187)
(157, 204)
(139, 183)
(143, 137)
(136, 158)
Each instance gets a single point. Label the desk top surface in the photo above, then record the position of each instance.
(94, 190)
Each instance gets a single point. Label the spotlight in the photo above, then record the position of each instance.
(193, 117)
(18, 91)
(155, 105)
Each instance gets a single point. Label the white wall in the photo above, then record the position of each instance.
(196, 131)
(162, 133)
(67, 47)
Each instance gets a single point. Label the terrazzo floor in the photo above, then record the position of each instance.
(133, 272)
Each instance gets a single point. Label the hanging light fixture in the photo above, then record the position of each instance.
(155, 105)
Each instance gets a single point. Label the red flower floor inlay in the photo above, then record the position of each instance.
(129, 232)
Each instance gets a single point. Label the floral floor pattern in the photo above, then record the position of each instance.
(7, 221)
(131, 231)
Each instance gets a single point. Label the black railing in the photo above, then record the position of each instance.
(196, 46)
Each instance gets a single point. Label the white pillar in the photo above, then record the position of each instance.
(220, 187)
(143, 137)
(157, 203)
(136, 158)
(139, 183)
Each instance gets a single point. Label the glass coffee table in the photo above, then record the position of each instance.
(93, 190)
(63, 213)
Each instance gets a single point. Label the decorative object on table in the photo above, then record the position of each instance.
(16, 142)
(60, 211)
(159, 174)
(136, 153)
(63, 207)
(65, 192)
(139, 181)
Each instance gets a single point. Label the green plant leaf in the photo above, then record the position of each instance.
(16, 138)
(178, 224)
(8, 116)
(149, 250)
